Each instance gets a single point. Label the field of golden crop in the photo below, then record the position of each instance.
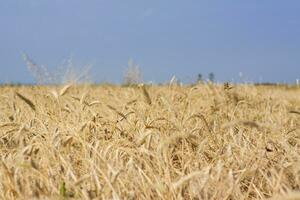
(156, 142)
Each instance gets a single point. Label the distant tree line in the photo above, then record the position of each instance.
(211, 77)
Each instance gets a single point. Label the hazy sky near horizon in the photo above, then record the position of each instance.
(259, 38)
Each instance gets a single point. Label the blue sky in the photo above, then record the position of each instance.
(260, 38)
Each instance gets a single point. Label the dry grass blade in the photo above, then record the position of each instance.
(146, 95)
(26, 100)
(64, 90)
(295, 112)
(190, 176)
(118, 112)
(241, 122)
(94, 103)
(82, 99)
(9, 124)
(203, 120)
(76, 98)
(131, 102)
(250, 124)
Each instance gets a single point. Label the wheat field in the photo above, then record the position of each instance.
(207, 141)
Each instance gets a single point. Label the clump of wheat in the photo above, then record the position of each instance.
(149, 142)
(133, 74)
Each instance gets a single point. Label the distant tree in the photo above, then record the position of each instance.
(199, 78)
(211, 77)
